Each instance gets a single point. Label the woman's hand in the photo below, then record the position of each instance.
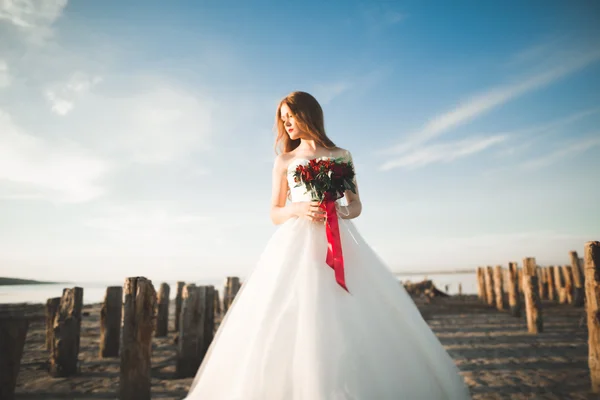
(310, 210)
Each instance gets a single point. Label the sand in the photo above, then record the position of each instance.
(496, 355)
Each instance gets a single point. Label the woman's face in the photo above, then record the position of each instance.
(289, 122)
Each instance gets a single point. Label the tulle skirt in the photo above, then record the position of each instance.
(293, 333)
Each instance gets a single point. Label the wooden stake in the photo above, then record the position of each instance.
(499, 288)
(136, 349)
(13, 331)
(110, 322)
(559, 282)
(162, 318)
(514, 298)
(592, 294)
(578, 280)
(232, 287)
(189, 332)
(178, 302)
(568, 277)
(64, 357)
(551, 285)
(489, 286)
(542, 283)
(533, 305)
(51, 309)
(481, 290)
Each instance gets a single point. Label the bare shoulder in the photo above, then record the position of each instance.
(341, 152)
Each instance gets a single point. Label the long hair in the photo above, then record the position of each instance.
(308, 115)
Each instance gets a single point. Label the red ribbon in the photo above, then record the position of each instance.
(335, 258)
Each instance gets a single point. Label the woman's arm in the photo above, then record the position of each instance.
(280, 212)
(354, 207)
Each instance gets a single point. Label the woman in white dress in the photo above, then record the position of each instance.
(294, 332)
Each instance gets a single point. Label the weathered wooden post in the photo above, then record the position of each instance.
(178, 302)
(162, 318)
(551, 285)
(208, 320)
(110, 322)
(578, 280)
(533, 305)
(217, 303)
(136, 347)
(499, 288)
(592, 294)
(514, 298)
(489, 286)
(460, 289)
(64, 357)
(13, 331)
(51, 309)
(189, 332)
(232, 287)
(481, 292)
(559, 282)
(568, 277)
(542, 283)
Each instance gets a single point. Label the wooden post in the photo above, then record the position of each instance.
(217, 303)
(481, 292)
(489, 286)
(13, 331)
(189, 332)
(499, 288)
(542, 283)
(533, 305)
(592, 293)
(51, 309)
(207, 320)
(460, 289)
(64, 357)
(178, 301)
(162, 318)
(232, 287)
(514, 298)
(551, 285)
(136, 348)
(559, 282)
(568, 277)
(110, 322)
(578, 280)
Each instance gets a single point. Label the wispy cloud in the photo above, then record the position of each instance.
(32, 167)
(157, 124)
(569, 149)
(34, 18)
(5, 77)
(494, 97)
(526, 137)
(62, 96)
(442, 152)
(326, 92)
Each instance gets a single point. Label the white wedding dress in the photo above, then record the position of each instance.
(293, 333)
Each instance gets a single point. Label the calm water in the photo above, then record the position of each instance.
(93, 292)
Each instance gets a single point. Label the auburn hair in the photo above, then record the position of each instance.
(308, 114)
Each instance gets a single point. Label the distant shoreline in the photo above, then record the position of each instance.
(442, 272)
(19, 281)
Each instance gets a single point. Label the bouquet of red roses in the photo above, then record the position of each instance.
(326, 179)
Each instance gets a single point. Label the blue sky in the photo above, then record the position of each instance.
(136, 137)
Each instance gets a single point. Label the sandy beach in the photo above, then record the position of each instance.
(496, 355)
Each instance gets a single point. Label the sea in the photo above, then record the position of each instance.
(93, 292)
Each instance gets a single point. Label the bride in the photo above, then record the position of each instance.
(293, 331)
